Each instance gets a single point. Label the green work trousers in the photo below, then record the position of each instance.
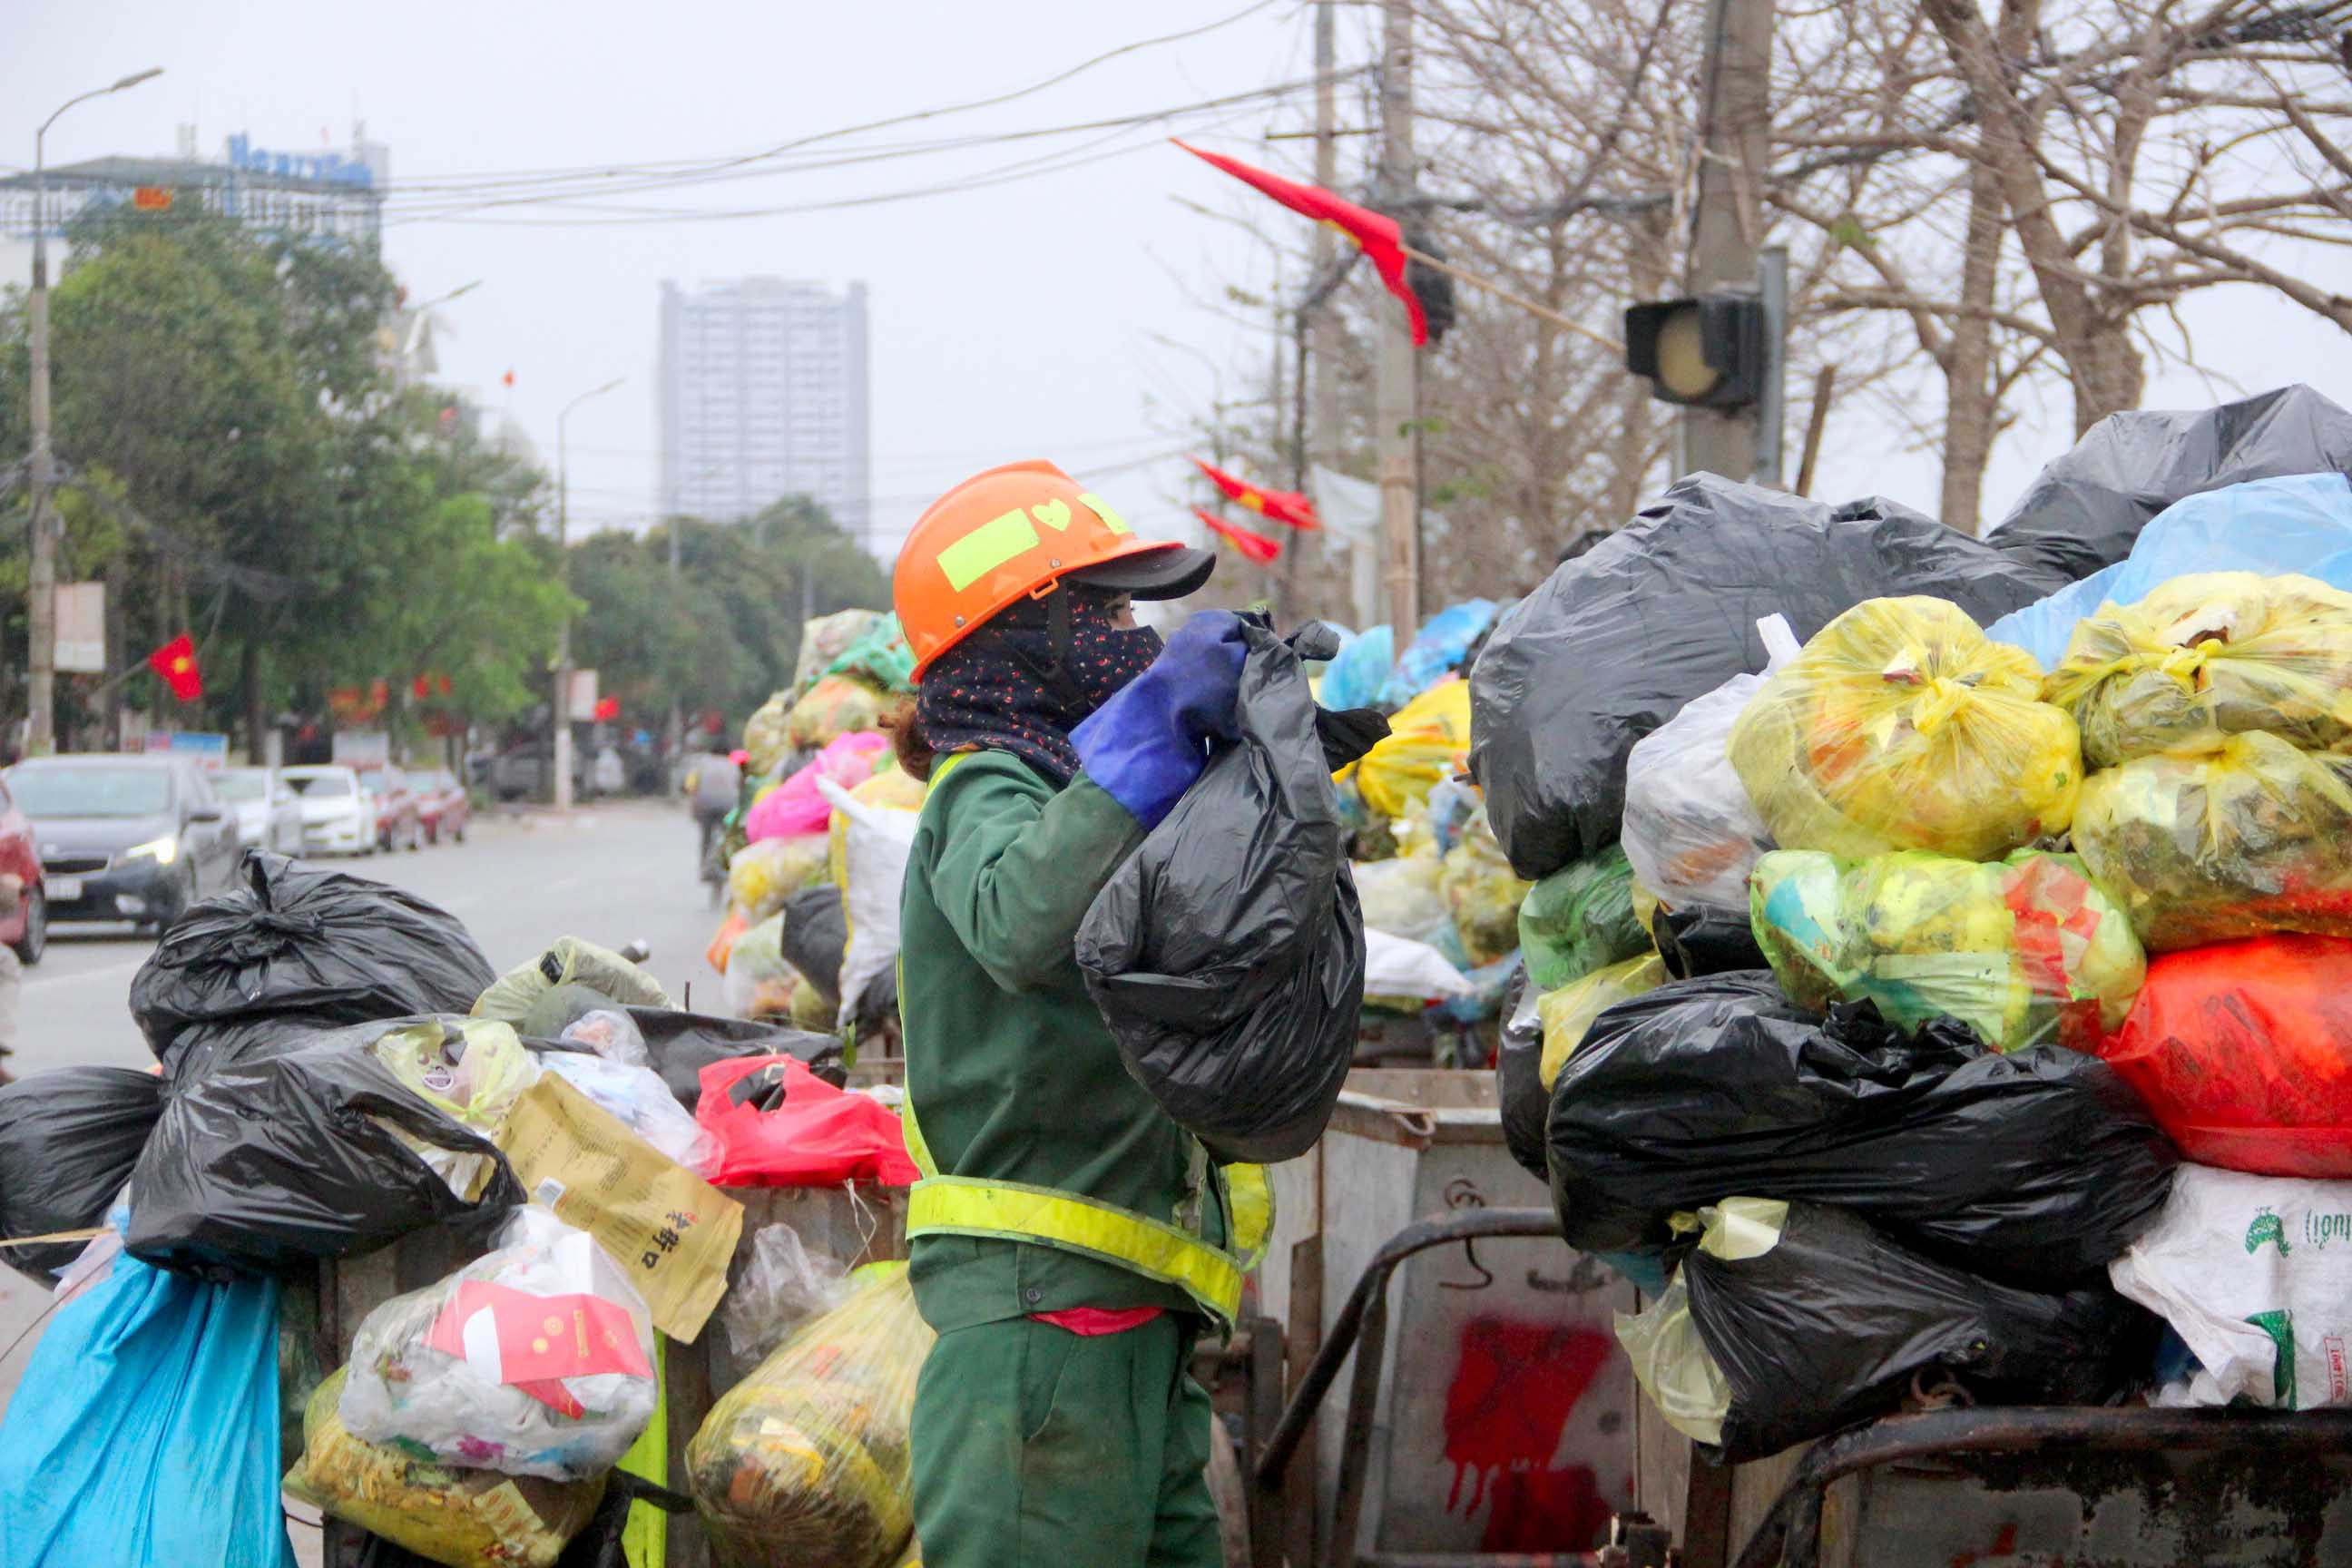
(1036, 1448)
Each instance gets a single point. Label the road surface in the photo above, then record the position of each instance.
(612, 874)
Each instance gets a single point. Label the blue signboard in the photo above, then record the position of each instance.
(210, 752)
(327, 168)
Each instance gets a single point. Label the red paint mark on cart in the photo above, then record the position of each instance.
(1514, 1388)
(2005, 1545)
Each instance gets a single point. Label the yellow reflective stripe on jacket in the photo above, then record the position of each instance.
(959, 1205)
(1249, 1213)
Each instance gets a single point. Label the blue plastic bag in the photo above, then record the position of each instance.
(144, 1433)
(1353, 679)
(1432, 656)
(2302, 523)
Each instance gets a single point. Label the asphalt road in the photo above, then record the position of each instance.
(610, 873)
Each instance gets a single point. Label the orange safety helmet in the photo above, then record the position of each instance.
(1014, 533)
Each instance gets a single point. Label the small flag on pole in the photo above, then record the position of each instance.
(1256, 546)
(175, 661)
(1283, 506)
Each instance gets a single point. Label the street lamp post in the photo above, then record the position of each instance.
(562, 706)
(41, 586)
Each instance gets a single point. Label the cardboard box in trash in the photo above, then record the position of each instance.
(673, 1232)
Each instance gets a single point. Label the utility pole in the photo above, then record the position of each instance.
(41, 576)
(1735, 141)
(1394, 400)
(559, 710)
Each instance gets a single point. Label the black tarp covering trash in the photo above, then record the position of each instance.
(290, 938)
(1227, 954)
(67, 1141)
(816, 937)
(1663, 611)
(2037, 1167)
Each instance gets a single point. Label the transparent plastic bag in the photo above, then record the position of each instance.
(1900, 727)
(636, 1098)
(808, 1458)
(1691, 832)
(470, 1071)
(2208, 657)
(767, 734)
(1567, 1013)
(760, 984)
(612, 1034)
(1581, 919)
(1406, 898)
(469, 1371)
(879, 655)
(2024, 951)
(2253, 837)
(762, 875)
(467, 1518)
(781, 1284)
(827, 637)
(836, 706)
(1427, 740)
(1483, 895)
(570, 964)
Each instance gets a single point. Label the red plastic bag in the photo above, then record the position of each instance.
(779, 1125)
(2244, 1051)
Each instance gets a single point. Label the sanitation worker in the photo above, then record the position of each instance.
(1069, 1242)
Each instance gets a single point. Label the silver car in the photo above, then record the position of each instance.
(269, 813)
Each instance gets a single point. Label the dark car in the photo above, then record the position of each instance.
(125, 838)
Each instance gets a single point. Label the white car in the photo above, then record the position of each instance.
(268, 814)
(338, 818)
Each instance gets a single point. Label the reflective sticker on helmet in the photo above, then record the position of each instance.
(986, 548)
(1101, 509)
(1054, 514)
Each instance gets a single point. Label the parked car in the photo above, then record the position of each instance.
(338, 818)
(444, 805)
(26, 929)
(397, 819)
(523, 772)
(268, 814)
(125, 838)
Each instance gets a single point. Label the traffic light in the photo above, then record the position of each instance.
(1708, 352)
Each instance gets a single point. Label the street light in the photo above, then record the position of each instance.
(416, 313)
(41, 586)
(562, 703)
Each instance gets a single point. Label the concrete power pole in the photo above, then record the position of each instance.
(1734, 141)
(1394, 397)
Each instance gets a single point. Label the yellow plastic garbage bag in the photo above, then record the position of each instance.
(1566, 1014)
(836, 706)
(762, 875)
(2024, 951)
(513, 997)
(2255, 835)
(464, 1518)
(827, 637)
(1427, 740)
(1483, 894)
(472, 1071)
(2207, 656)
(767, 734)
(1900, 727)
(807, 1459)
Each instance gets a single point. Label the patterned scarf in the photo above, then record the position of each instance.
(994, 691)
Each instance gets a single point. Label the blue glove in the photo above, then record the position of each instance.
(1149, 742)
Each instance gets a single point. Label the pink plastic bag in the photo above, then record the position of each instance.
(780, 1125)
(794, 806)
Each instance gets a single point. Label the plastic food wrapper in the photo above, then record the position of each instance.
(1567, 1014)
(639, 1100)
(467, 1518)
(1790, 1321)
(1438, 649)
(1663, 611)
(1226, 955)
(781, 1284)
(2244, 1050)
(2208, 657)
(827, 637)
(287, 938)
(69, 1139)
(795, 807)
(2254, 836)
(1427, 740)
(2035, 1167)
(469, 1371)
(1399, 969)
(836, 705)
(1356, 673)
(874, 832)
(612, 1034)
(778, 1125)
(1483, 896)
(2024, 951)
(1405, 898)
(808, 1459)
(767, 734)
(1691, 832)
(671, 1232)
(2253, 1274)
(572, 978)
(1900, 727)
(1581, 919)
(270, 1161)
(762, 875)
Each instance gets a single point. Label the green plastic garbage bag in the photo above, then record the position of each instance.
(1581, 919)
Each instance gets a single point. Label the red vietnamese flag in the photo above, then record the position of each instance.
(1256, 546)
(1380, 236)
(1283, 506)
(175, 661)
(607, 710)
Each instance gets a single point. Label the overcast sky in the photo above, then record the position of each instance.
(1010, 321)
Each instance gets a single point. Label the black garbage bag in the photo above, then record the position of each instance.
(290, 938)
(2037, 1167)
(270, 1161)
(1663, 611)
(1701, 941)
(1227, 954)
(2084, 511)
(67, 1142)
(1519, 1079)
(815, 935)
(199, 1049)
(1830, 1324)
(683, 1044)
